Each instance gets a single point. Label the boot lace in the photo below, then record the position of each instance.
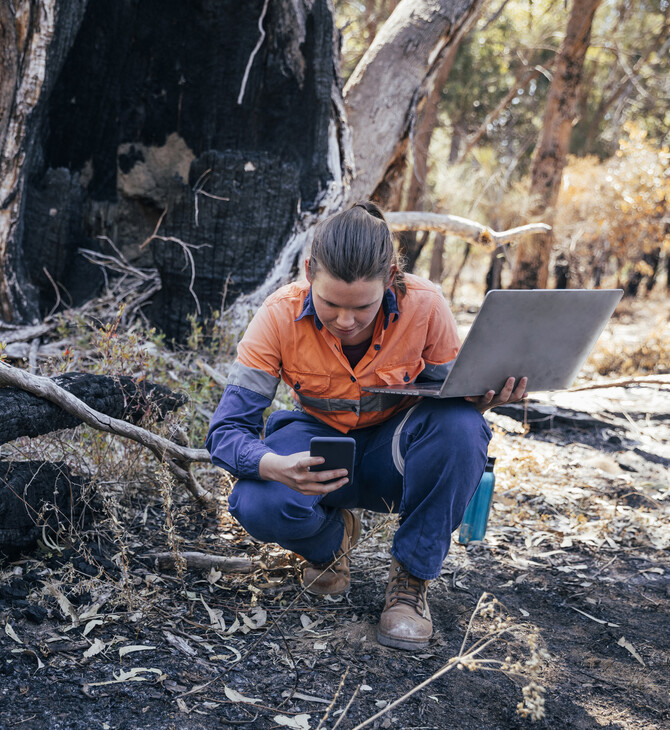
(407, 589)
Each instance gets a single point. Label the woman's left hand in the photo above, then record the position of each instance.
(508, 394)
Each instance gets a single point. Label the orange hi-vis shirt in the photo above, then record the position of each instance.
(414, 334)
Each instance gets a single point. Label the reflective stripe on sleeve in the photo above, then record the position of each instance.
(253, 379)
(371, 402)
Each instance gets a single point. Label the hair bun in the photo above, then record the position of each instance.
(370, 208)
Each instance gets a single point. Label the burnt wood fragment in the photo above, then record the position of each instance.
(24, 414)
(37, 496)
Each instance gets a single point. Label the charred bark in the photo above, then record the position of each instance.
(37, 497)
(25, 414)
(218, 112)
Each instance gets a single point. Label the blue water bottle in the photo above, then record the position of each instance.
(476, 514)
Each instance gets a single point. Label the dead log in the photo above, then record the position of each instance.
(26, 414)
(37, 500)
(201, 561)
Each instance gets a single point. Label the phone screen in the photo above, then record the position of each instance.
(339, 452)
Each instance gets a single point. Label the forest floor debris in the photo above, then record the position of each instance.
(575, 567)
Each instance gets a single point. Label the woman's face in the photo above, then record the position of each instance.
(348, 311)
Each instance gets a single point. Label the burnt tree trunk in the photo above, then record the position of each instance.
(531, 268)
(185, 109)
(214, 129)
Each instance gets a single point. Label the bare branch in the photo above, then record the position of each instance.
(467, 229)
(623, 382)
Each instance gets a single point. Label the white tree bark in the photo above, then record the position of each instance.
(24, 71)
(381, 95)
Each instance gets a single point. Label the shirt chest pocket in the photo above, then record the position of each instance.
(307, 383)
(400, 374)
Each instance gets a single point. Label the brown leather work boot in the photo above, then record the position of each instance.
(405, 622)
(334, 577)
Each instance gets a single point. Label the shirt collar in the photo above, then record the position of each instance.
(389, 307)
(308, 308)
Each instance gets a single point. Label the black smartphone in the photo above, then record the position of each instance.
(339, 452)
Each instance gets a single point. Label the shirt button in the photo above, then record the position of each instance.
(353, 379)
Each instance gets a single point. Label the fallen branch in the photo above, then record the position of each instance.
(466, 229)
(202, 561)
(164, 450)
(623, 382)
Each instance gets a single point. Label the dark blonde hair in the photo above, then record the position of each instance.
(356, 244)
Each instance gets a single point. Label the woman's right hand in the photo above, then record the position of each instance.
(293, 470)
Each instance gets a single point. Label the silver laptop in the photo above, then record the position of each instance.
(543, 334)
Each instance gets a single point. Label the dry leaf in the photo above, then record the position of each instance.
(65, 606)
(214, 576)
(96, 647)
(233, 627)
(180, 644)
(235, 696)
(132, 675)
(40, 665)
(627, 645)
(91, 625)
(302, 696)
(297, 722)
(215, 615)
(593, 618)
(132, 648)
(182, 706)
(257, 620)
(11, 633)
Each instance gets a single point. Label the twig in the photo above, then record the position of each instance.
(257, 48)
(56, 289)
(185, 247)
(623, 382)
(348, 705)
(32, 355)
(332, 704)
(162, 448)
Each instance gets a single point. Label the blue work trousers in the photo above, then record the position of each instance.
(424, 463)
